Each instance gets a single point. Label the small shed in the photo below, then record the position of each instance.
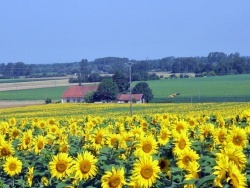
(125, 98)
(77, 93)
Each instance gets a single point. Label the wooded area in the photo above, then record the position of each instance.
(216, 63)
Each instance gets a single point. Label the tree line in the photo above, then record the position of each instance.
(216, 63)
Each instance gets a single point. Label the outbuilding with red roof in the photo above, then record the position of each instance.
(125, 98)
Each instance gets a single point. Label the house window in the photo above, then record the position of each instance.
(68, 100)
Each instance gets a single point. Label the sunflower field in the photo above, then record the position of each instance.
(99, 145)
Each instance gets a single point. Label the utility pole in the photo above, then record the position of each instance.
(130, 90)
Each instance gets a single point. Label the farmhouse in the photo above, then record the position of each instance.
(77, 93)
(125, 98)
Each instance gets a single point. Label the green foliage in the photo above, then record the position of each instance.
(89, 97)
(107, 90)
(122, 81)
(142, 87)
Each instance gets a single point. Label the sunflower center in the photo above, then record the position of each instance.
(40, 145)
(221, 137)
(64, 148)
(182, 144)
(164, 136)
(163, 164)
(27, 141)
(98, 139)
(186, 160)
(147, 147)
(85, 166)
(15, 133)
(113, 141)
(114, 181)
(146, 172)
(179, 128)
(61, 166)
(237, 140)
(12, 166)
(5, 152)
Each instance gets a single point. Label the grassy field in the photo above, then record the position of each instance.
(232, 88)
(203, 89)
(53, 93)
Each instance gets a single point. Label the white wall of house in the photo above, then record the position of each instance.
(72, 100)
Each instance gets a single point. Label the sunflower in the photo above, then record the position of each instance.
(206, 131)
(164, 136)
(220, 170)
(27, 140)
(220, 135)
(60, 165)
(4, 127)
(237, 137)
(6, 149)
(42, 124)
(180, 126)
(145, 171)
(98, 139)
(85, 166)
(181, 142)
(186, 157)
(193, 169)
(146, 146)
(235, 178)
(44, 181)
(30, 175)
(113, 140)
(235, 155)
(12, 166)
(164, 165)
(39, 143)
(64, 146)
(114, 178)
(14, 132)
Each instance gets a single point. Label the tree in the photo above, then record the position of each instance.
(122, 81)
(84, 70)
(107, 90)
(142, 87)
(89, 97)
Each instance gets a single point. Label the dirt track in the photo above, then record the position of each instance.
(34, 84)
(9, 104)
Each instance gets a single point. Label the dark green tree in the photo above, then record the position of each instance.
(89, 97)
(142, 87)
(121, 80)
(84, 70)
(107, 90)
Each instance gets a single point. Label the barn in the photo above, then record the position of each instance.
(77, 93)
(125, 98)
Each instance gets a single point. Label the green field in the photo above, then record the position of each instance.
(203, 89)
(232, 88)
(53, 93)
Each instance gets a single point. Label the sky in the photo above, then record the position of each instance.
(63, 31)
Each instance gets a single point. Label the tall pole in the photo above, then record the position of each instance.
(130, 92)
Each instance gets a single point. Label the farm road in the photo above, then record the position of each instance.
(33, 84)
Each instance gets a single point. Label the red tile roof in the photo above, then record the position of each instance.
(126, 97)
(78, 91)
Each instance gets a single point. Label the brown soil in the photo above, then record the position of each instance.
(9, 104)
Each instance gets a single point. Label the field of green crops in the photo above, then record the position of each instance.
(232, 88)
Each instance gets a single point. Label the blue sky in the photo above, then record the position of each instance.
(60, 31)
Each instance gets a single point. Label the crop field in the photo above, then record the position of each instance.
(101, 145)
(232, 88)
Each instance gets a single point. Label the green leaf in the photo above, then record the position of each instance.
(205, 180)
